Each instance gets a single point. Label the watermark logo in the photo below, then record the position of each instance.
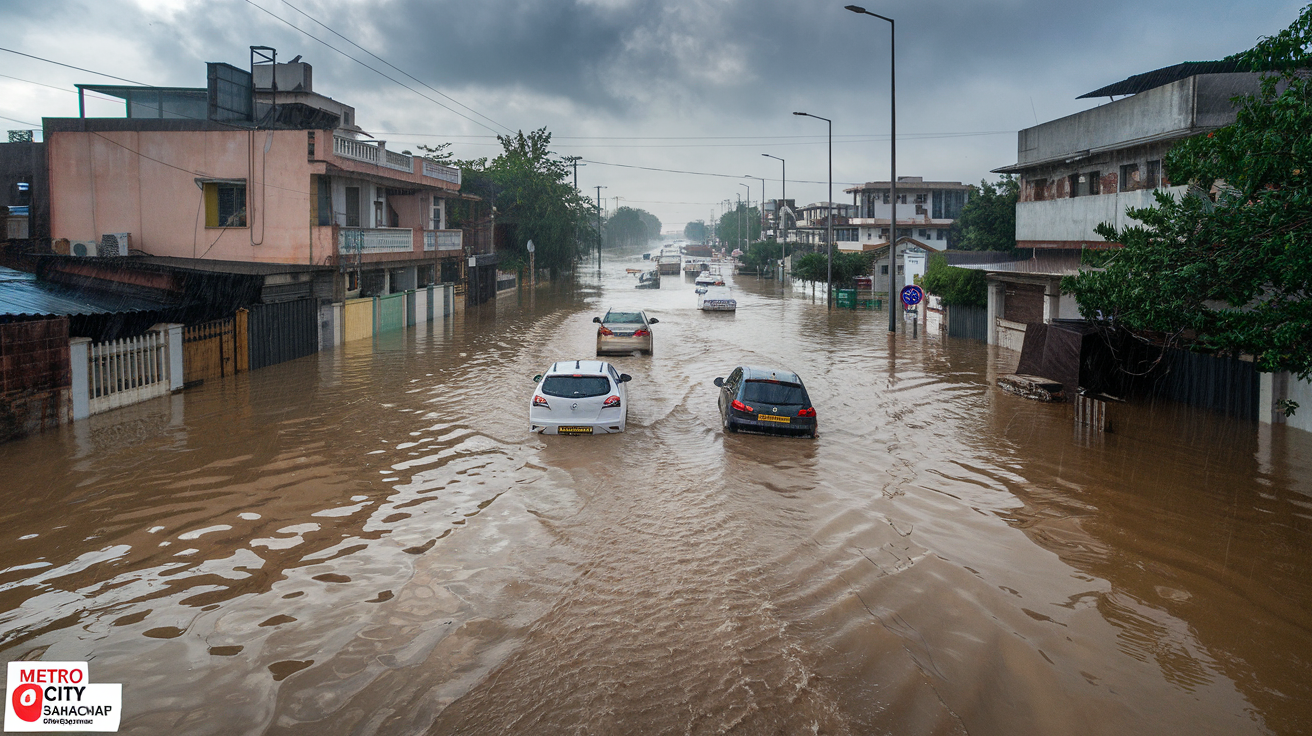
(59, 696)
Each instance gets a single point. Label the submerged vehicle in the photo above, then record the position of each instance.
(766, 400)
(624, 331)
(717, 299)
(579, 397)
(649, 280)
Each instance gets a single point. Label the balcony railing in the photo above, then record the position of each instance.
(377, 154)
(438, 171)
(362, 241)
(439, 240)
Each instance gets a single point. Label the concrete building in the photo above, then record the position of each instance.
(256, 173)
(925, 210)
(1088, 168)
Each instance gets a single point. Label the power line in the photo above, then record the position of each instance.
(70, 66)
(24, 122)
(704, 173)
(385, 61)
(366, 66)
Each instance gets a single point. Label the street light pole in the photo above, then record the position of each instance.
(598, 204)
(778, 211)
(892, 182)
(829, 206)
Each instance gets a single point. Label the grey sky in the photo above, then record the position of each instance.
(696, 85)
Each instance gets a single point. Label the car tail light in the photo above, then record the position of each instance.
(640, 332)
(540, 401)
(611, 401)
(603, 330)
(807, 412)
(740, 406)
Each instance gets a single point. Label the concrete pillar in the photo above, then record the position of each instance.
(172, 334)
(1051, 301)
(329, 328)
(79, 357)
(387, 281)
(997, 293)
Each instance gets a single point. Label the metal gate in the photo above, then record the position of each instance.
(283, 331)
(391, 312)
(214, 349)
(968, 322)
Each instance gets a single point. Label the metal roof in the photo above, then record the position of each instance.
(21, 293)
(1159, 77)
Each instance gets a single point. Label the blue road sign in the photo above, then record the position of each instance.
(912, 295)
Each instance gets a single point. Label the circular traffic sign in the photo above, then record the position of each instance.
(912, 295)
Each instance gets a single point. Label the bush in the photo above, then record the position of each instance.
(961, 287)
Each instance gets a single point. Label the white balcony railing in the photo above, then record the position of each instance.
(352, 241)
(438, 240)
(445, 173)
(355, 150)
(398, 161)
(377, 153)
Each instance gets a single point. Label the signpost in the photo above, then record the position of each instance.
(532, 269)
(911, 296)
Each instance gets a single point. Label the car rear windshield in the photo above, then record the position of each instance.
(623, 318)
(773, 392)
(575, 387)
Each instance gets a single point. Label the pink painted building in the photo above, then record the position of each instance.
(252, 171)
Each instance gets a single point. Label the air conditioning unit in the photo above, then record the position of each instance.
(114, 245)
(83, 248)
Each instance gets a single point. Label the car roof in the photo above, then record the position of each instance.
(757, 373)
(573, 367)
(624, 309)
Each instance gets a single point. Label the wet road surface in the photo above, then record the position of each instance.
(368, 540)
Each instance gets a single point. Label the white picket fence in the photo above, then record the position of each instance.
(107, 375)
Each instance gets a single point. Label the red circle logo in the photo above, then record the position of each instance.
(27, 702)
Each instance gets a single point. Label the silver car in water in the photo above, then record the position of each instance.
(624, 331)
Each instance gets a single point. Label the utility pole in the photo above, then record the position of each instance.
(574, 161)
(598, 204)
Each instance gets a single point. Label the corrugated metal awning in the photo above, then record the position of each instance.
(21, 293)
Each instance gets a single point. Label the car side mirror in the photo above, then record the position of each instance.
(597, 320)
(537, 378)
(652, 321)
(625, 378)
(719, 383)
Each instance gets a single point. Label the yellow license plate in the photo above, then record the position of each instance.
(574, 430)
(773, 418)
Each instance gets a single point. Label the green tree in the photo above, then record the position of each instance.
(730, 229)
(534, 199)
(814, 267)
(628, 226)
(696, 231)
(988, 220)
(1228, 266)
(955, 286)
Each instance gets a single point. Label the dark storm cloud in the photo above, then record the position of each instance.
(674, 68)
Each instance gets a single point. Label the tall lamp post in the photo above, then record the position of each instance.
(892, 181)
(747, 220)
(829, 246)
(598, 203)
(783, 197)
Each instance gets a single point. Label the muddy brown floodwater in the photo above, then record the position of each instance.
(369, 540)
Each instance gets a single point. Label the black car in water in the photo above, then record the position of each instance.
(768, 400)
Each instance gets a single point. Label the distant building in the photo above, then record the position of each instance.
(1088, 168)
(925, 210)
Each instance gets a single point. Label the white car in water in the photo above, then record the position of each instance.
(579, 397)
(717, 299)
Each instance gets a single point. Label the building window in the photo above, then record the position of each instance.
(899, 269)
(940, 234)
(947, 204)
(321, 207)
(1073, 185)
(225, 204)
(1153, 179)
(901, 199)
(1094, 182)
(1039, 188)
(353, 206)
(1129, 177)
(922, 198)
(923, 234)
(883, 270)
(885, 197)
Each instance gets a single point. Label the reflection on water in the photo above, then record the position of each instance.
(368, 540)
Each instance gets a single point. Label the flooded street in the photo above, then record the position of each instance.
(368, 540)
